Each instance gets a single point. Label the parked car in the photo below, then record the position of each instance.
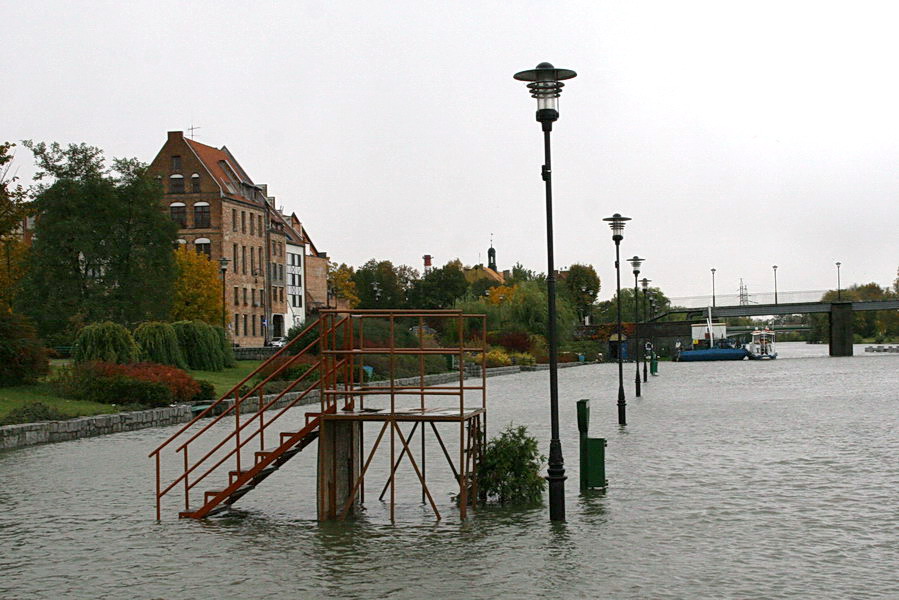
(278, 342)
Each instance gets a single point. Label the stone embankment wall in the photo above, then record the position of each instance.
(19, 436)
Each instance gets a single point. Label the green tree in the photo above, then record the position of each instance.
(381, 285)
(103, 247)
(581, 284)
(439, 288)
(606, 312)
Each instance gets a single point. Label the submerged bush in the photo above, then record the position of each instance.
(509, 472)
(159, 344)
(22, 356)
(106, 342)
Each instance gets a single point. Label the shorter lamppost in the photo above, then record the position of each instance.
(636, 261)
(644, 283)
(713, 287)
(839, 287)
(775, 283)
(223, 264)
(616, 223)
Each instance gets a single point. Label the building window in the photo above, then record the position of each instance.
(233, 219)
(253, 293)
(245, 296)
(252, 225)
(262, 297)
(203, 246)
(178, 212)
(252, 260)
(195, 183)
(243, 259)
(176, 163)
(201, 215)
(234, 258)
(254, 326)
(236, 296)
(176, 184)
(260, 225)
(243, 222)
(245, 324)
(236, 324)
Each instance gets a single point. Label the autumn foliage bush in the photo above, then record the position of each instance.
(147, 384)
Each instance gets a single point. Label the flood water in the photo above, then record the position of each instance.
(741, 480)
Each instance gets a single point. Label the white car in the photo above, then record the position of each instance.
(278, 342)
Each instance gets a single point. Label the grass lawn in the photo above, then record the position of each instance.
(225, 380)
(14, 397)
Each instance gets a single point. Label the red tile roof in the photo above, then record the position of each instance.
(219, 162)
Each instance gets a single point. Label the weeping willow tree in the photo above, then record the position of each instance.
(106, 342)
(159, 344)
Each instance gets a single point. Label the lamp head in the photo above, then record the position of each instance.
(545, 84)
(616, 223)
(636, 263)
(645, 283)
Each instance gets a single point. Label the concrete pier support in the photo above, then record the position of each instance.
(339, 465)
(841, 335)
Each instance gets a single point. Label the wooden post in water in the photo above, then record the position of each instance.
(339, 466)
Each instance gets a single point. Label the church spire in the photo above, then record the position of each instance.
(491, 255)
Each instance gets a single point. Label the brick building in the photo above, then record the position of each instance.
(223, 214)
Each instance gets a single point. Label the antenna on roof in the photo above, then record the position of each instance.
(191, 129)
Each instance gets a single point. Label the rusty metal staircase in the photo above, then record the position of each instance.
(235, 450)
(242, 438)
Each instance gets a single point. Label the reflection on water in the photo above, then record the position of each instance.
(732, 480)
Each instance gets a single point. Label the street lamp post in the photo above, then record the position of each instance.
(645, 284)
(636, 261)
(775, 283)
(616, 223)
(839, 287)
(545, 85)
(713, 287)
(223, 264)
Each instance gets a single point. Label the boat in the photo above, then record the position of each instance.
(710, 342)
(762, 345)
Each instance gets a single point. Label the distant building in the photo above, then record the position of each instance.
(222, 213)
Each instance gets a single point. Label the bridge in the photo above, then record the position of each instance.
(840, 312)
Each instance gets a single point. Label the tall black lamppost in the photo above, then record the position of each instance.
(616, 222)
(644, 283)
(713, 286)
(223, 264)
(775, 283)
(545, 84)
(839, 287)
(636, 261)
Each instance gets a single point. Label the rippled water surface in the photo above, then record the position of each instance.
(732, 480)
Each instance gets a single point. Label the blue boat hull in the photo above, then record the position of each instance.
(713, 354)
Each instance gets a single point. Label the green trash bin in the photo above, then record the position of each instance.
(592, 451)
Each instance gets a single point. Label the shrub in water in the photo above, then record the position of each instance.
(509, 472)
(159, 344)
(22, 356)
(200, 345)
(106, 342)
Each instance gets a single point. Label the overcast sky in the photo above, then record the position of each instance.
(736, 135)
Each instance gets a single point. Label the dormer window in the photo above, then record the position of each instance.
(176, 163)
(176, 184)
(195, 183)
